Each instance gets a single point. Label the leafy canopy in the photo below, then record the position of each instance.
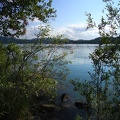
(15, 15)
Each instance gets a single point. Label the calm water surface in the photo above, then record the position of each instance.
(81, 65)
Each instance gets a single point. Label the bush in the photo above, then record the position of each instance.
(24, 78)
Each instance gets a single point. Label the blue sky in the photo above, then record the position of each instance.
(71, 19)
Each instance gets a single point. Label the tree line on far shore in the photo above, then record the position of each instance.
(7, 40)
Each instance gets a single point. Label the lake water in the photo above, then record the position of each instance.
(81, 65)
(79, 68)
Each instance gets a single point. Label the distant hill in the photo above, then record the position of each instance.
(6, 40)
(13, 40)
(93, 41)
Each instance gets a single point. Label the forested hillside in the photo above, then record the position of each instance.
(49, 40)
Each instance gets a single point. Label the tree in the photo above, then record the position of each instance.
(15, 15)
(27, 80)
(102, 91)
(28, 73)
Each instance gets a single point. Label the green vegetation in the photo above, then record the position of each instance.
(28, 73)
(102, 92)
(16, 14)
(7, 40)
(25, 78)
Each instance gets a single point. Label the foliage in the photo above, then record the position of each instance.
(27, 71)
(78, 117)
(102, 91)
(16, 14)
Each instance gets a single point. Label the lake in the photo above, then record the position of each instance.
(79, 68)
(81, 65)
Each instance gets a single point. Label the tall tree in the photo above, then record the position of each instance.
(28, 73)
(101, 92)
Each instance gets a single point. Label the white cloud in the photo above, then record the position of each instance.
(74, 32)
(78, 31)
(30, 32)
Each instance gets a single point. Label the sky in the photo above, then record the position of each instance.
(71, 19)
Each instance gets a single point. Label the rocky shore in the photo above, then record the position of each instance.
(67, 108)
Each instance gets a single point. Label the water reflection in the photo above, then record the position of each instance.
(81, 53)
(81, 65)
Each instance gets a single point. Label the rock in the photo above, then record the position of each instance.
(50, 107)
(81, 105)
(35, 118)
(64, 97)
